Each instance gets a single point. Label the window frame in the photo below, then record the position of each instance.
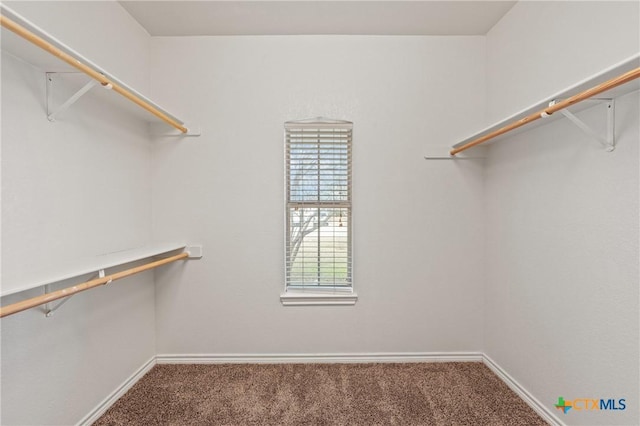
(318, 295)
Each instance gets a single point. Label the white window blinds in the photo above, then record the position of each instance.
(318, 210)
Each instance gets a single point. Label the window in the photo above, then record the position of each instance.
(318, 261)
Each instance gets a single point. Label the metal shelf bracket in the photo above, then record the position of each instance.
(608, 141)
(52, 112)
(50, 309)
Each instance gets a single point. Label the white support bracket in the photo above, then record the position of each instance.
(441, 152)
(195, 252)
(159, 130)
(608, 141)
(53, 113)
(49, 309)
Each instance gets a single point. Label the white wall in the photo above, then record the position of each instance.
(561, 312)
(77, 187)
(542, 47)
(413, 219)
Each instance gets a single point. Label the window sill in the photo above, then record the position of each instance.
(292, 298)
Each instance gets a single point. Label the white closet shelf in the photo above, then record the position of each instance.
(80, 267)
(607, 74)
(49, 59)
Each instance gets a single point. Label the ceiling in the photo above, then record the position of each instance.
(201, 18)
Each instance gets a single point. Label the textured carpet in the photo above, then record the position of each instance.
(321, 394)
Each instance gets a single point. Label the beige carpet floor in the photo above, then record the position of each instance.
(321, 394)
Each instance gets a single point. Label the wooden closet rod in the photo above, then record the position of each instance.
(45, 45)
(603, 87)
(69, 291)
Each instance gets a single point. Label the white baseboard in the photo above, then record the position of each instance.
(317, 358)
(541, 409)
(103, 406)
